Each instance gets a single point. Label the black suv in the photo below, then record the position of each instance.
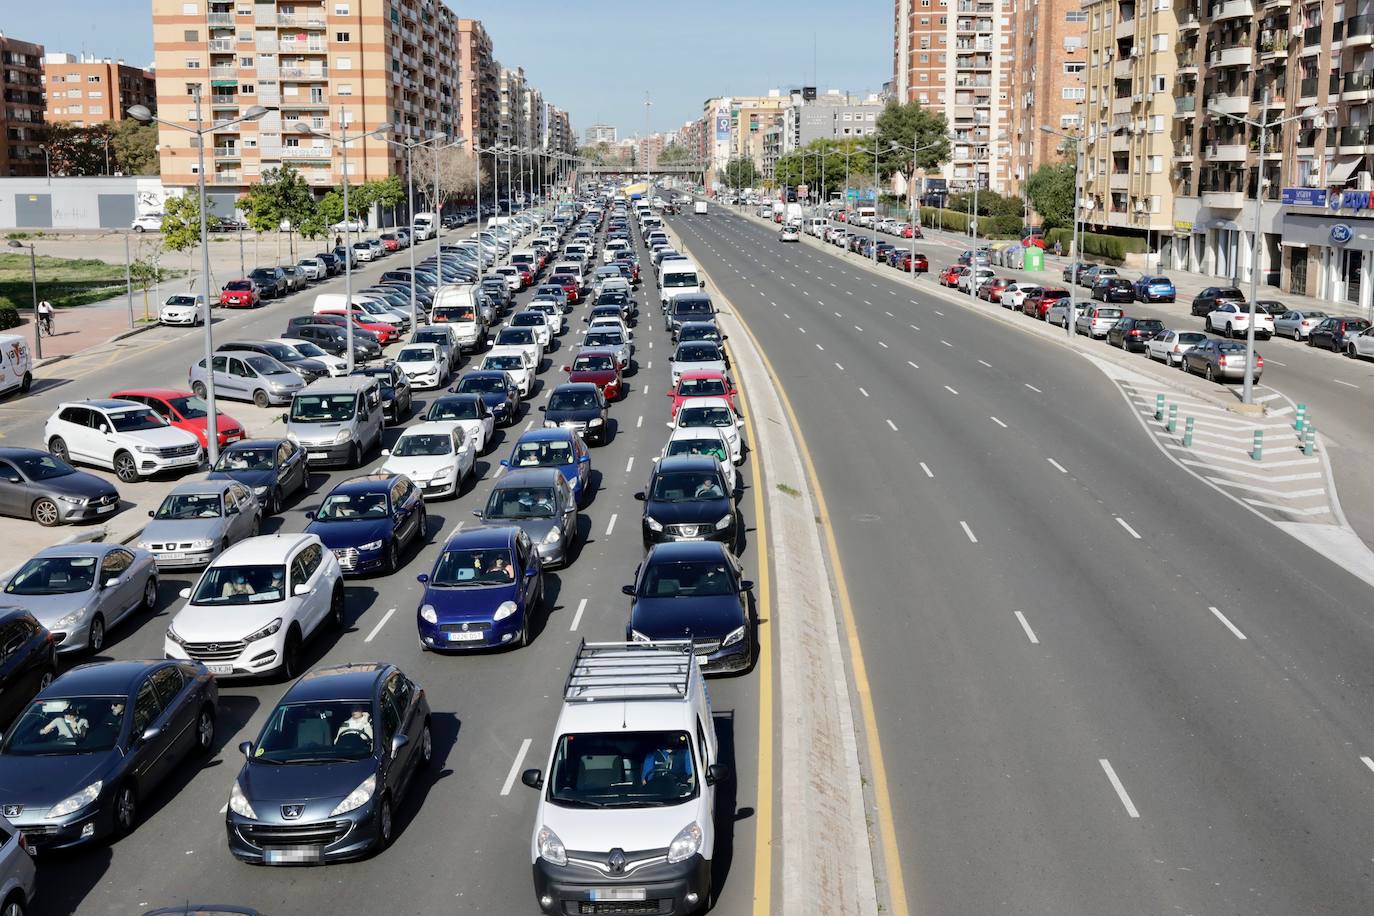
(271, 280)
(689, 498)
(1205, 302)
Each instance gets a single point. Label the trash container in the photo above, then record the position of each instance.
(1034, 258)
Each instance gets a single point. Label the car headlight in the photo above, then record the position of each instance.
(732, 637)
(265, 632)
(70, 620)
(596, 422)
(550, 424)
(293, 439)
(553, 536)
(343, 436)
(428, 614)
(639, 637)
(686, 844)
(202, 544)
(358, 797)
(146, 449)
(74, 500)
(371, 545)
(238, 803)
(76, 802)
(443, 472)
(724, 522)
(550, 847)
(653, 523)
(505, 610)
(175, 637)
(260, 492)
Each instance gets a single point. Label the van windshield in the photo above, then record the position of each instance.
(453, 314)
(680, 280)
(623, 770)
(322, 408)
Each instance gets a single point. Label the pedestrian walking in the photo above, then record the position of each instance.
(1058, 248)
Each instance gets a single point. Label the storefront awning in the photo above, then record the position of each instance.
(1343, 169)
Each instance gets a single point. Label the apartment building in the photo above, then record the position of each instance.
(1133, 68)
(600, 133)
(736, 126)
(511, 92)
(82, 91)
(831, 115)
(328, 65)
(1049, 62)
(22, 114)
(954, 56)
(479, 87)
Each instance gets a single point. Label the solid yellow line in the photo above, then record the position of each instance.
(892, 865)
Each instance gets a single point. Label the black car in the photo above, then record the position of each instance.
(1333, 332)
(629, 308)
(689, 331)
(688, 498)
(1113, 289)
(272, 468)
(396, 393)
(694, 590)
(1133, 333)
(332, 263)
(498, 290)
(28, 661)
(1206, 301)
(333, 338)
(307, 368)
(494, 387)
(270, 280)
(98, 741)
(332, 763)
(579, 406)
(690, 307)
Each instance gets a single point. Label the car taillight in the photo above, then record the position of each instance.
(1259, 361)
(1134, 333)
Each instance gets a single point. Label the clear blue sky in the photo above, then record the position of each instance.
(589, 56)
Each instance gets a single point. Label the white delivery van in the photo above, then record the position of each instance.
(699, 208)
(457, 306)
(815, 225)
(627, 797)
(16, 364)
(426, 226)
(678, 277)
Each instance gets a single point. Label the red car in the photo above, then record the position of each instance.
(184, 410)
(1037, 305)
(993, 289)
(526, 275)
(570, 287)
(390, 242)
(239, 294)
(385, 332)
(912, 232)
(703, 384)
(950, 275)
(600, 368)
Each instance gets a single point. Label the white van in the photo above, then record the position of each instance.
(426, 226)
(679, 277)
(816, 225)
(16, 364)
(627, 796)
(456, 305)
(699, 208)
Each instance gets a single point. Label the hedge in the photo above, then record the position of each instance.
(9, 316)
(990, 227)
(1111, 247)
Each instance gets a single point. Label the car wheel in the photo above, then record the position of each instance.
(48, 677)
(58, 448)
(198, 389)
(125, 810)
(354, 458)
(260, 399)
(257, 527)
(150, 593)
(1208, 374)
(46, 513)
(125, 468)
(205, 731)
(1310, 341)
(393, 561)
(384, 824)
(291, 656)
(273, 502)
(426, 747)
(336, 608)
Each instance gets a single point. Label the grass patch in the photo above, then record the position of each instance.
(790, 491)
(65, 282)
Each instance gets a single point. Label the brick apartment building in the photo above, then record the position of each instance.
(22, 73)
(82, 91)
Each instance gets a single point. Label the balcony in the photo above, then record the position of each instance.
(1307, 88)
(301, 47)
(1276, 4)
(304, 22)
(219, 101)
(1231, 104)
(1187, 65)
(1230, 9)
(300, 104)
(1357, 86)
(296, 153)
(226, 152)
(221, 44)
(1359, 30)
(223, 73)
(1122, 104)
(1183, 151)
(1187, 22)
(1227, 152)
(1121, 70)
(220, 19)
(1307, 139)
(1223, 200)
(1185, 106)
(1312, 36)
(1121, 141)
(1356, 139)
(1243, 56)
(1273, 45)
(305, 73)
(1125, 28)
(226, 178)
(1119, 181)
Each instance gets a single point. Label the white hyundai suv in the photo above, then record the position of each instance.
(256, 604)
(124, 436)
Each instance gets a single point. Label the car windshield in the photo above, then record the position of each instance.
(454, 409)
(686, 486)
(322, 408)
(698, 353)
(623, 769)
(504, 361)
(705, 416)
(701, 387)
(454, 314)
(577, 399)
(542, 454)
(77, 725)
(232, 585)
(308, 349)
(698, 579)
(128, 421)
(682, 309)
(469, 568)
(184, 506)
(38, 466)
(516, 336)
(417, 355)
(1357, 324)
(53, 576)
(239, 285)
(527, 320)
(1191, 337)
(1149, 324)
(338, 507)
(266, 365)
(697, 447)
(698, 332)
(520, 502)
(324, 731)
(1109, 313)
(593, 364)
(247, 459)
(180, 300)
(418, 444)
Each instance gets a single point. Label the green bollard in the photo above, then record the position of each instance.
(1173, 417)
(1188, 432)
(1309, 440)
(1302, 418)
(1159, 407)
(1257, 453)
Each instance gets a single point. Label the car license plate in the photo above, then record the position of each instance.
(619, 893)
(468, 636)
(228, 439)
(220, 669)
(173, 556)
(316, 455)
(109, 508)
(695, 538)
(293, 855)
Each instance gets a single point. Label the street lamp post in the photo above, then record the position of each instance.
(141, 113)
(911, 193)
(1247, 387)
(410, 146)
(33, 276)
(874, 224)
(1077, 142)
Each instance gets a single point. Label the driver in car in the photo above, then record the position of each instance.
(359, 722)
(708, 489)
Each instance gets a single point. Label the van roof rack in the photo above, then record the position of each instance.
(660, 670)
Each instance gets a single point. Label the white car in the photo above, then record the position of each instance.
(606, 322)
(978, 277)
(1169, 346)
(614, 248)
(1360, 345)
(313, 268)
(511, 275)
(1015, 294)
(1233, 318)
(256, 604)
(553, 315)
(436, 456)
(702, 440)
(468, 415)
(713, 412)
(517, 363)
(364, 251)
(354, 225)
(424, 364)
(697, 356)
(526, 339)
(336, 365)
(1058, 313)
(537, 322)
(124, 436)
(148, 222)
(789, 233)
(182, 309)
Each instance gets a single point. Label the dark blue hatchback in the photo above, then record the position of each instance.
(483, 592)
(554, 448)
(366, 521)
(502, 397)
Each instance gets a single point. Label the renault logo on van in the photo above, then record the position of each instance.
(617, 861)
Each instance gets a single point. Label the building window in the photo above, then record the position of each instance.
(1073, 43)
(190, 36)
(1074, 66)
(341, 36)
(925, 58)
(341, 9)
(1158, 83)
(1157, 124)
(192, 63)
(1159, 42)
(189, 9)
(1068, 120)
(92, 79)
(345, 89)
(343, 63)
(1074, 93)
(95, 94)
(1156, 164)
(925, 20)
(95, 109)
(1154, 203)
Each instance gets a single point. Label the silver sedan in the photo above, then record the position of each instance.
(1297, 323)
(1169, 346)
(198, 519)
(78, 591)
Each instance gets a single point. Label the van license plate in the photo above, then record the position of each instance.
(619, 893)
(317, 456)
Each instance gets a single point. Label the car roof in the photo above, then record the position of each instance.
(702, 374)
(702, 463)
(201, 486)
(19, 451)
(546, 435)
(684, 551)
(596, 351)
(476, 538)
(429, 427)
(78, 549)
(375, 482)
(574, 386)
(252, 443)
(104, 404)
(485, 373)
(706, 401)
(262, 550)
(103, 678)
(526, 477)
(337, 682)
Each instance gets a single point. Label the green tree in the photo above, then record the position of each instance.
(739, 173)
(910, 126)
(821, 165)
(596, 153)
(1050, 191)
(389, 192)
(675, 154)
(133, 147)
(181, 224)
(282, 195)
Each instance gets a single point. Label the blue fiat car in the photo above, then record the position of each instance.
(483, 592)
(554, 448)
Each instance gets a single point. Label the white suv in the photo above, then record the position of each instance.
(124, 436)
(256, 604)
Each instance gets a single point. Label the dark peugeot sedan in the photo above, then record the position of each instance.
(1332, 333)
(28, 661)
(335, 758)
(578, 406)
(1133, 333)
(1206, 301)
(97, 742)
(688, 499)
(43, 487)
(694, 591)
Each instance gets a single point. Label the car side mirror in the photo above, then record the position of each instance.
(112, 582)
(477, 513)
(531, 572)
(746, 585)
(310, 515)
(184, 593)
(151, 513)
(717, 772)
(628, 590)
(397, 743)
(104, 429)
(149, 734)
(246, 749)
(533, 778)
(386, 453)
(640, 496)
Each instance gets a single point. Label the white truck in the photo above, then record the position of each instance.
(699, 208)
(16, 364)
(426, 226)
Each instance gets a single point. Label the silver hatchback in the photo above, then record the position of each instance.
(197, 520)
(16, 871)
(1096, 321)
